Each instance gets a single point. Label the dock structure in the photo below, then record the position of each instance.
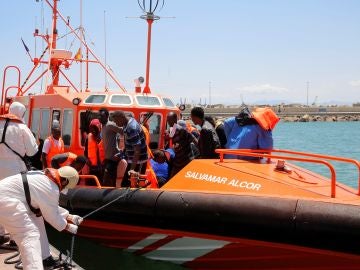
(6, 253)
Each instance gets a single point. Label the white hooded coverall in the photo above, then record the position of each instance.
(21, 222)
(20, 139)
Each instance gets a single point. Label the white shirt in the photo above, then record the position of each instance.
(44, 195)
(47, 144)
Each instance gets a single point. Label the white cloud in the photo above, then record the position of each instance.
(263, 89)
(355, 83)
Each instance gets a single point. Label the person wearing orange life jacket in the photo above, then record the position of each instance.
(16, 141)
(53, 145)
(29, 198)
(94, 149)
(68, 159)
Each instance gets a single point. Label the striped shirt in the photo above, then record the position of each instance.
(134, 135)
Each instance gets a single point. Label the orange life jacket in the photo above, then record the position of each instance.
(147, 140)
(151, 176)
(54, 150)
(265, 117)
(144, 181)
(190, 128)
(71, 157)
(54, 176)
(101, 151)
(95, 150)
(12, 117)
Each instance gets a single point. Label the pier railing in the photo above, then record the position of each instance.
(314, 158)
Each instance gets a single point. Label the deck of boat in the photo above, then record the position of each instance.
(6, 253)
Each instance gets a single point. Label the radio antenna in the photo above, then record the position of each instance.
(148, 8)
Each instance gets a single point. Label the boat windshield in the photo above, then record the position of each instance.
(120, 100)
(168, 102)
(95, 99)
(148, 101)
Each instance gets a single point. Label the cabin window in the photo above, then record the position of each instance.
(148, 101)
(120, 100)
(95, 99)
(67, 126)
(153, 123)
(44, 128)
(35, 122)
(55, 116)
(129, 114)
(168, 102)
(85, 119)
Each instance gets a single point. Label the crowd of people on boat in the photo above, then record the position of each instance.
(117, 151)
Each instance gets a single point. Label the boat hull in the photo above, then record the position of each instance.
(206, 230)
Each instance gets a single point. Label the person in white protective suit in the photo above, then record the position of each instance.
(19, 211)
(16, 140)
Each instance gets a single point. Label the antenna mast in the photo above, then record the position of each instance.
(53, 65)
(149, 9)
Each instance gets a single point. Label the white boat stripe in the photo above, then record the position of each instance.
(146, 242)
(185, 249)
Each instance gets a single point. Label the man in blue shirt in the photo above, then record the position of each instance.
(243, 132)
(135, 145)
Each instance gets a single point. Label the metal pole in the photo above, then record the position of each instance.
(307, 93)
(209, 94)
(147, 78)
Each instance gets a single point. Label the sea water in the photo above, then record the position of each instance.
(330, 138)
(340, 139)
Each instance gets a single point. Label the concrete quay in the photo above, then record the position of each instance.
(293, 114)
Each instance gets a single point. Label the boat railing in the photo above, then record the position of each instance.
(83, 177)
(314, 158)
(4, 91)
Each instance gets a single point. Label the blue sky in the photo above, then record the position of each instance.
(260, 50)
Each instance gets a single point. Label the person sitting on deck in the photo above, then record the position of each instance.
(68, 159)
(244, 132)
(161, 164)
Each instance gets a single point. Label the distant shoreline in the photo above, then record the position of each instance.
(294, 114)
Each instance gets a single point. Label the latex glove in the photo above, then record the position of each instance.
(71, 228)
(75, 219)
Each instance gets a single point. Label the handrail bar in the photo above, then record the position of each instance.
(328, 157)
(87, 176)
(264, 155)
(2, 102)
